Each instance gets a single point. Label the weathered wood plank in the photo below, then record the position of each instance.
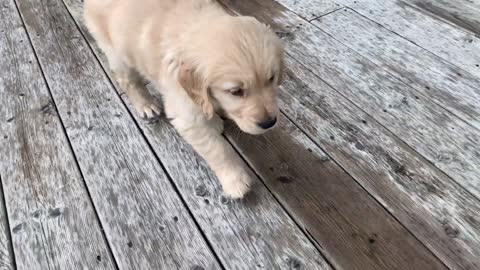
(353, 251)
(257, 227)
(405, 183)
(443, 139)
(462, 13)
(53, 223)
(6, 250)
(428, 203)
(329, 204)
(311, 9)
(135, 200)
(432, 77)
(452, 43)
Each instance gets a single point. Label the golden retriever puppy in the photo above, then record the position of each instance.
(204, 62)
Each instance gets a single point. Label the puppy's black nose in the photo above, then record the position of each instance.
(270, 122)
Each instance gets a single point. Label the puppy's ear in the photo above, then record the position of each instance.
(196, 87)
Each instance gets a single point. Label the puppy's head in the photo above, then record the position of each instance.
(235, 66)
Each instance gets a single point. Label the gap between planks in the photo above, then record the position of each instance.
(7, 256)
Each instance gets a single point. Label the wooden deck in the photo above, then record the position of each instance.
(375, 165)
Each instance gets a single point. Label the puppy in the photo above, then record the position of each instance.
(204, 62)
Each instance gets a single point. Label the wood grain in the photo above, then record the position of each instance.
(443, 139)
(256, 227)
(133, 196)
(332, 208)
(52, 222)
(311, 9)
(431, 76)
(449, 41)
(6, 250)
(439, 212)
(464, 14)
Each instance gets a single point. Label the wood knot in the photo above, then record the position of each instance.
(47, 109)
(359, 146)
(284, 35)
(224, 200)
(450, 231)
(284, 179)
(294, 263)
(372, 239)
(201, 191)
(55, 212)
(18, 227)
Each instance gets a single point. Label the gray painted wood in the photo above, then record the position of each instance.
(432, 206)
(256, 227)
(134, 198)
(449, 41)
(432, 77)
(6, 249)
(52, 221)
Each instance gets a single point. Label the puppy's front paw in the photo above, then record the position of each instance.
(148, 111)
(236, 183)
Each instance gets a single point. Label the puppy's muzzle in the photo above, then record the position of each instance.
(269, 123)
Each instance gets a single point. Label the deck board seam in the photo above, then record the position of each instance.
(320, 16)
(62, 124)
(8, 231)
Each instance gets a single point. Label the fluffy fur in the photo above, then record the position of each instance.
(203, 61)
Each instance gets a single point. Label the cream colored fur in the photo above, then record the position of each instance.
(203, 61)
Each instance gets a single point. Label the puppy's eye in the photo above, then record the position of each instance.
(239, 92)
(271, 79)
